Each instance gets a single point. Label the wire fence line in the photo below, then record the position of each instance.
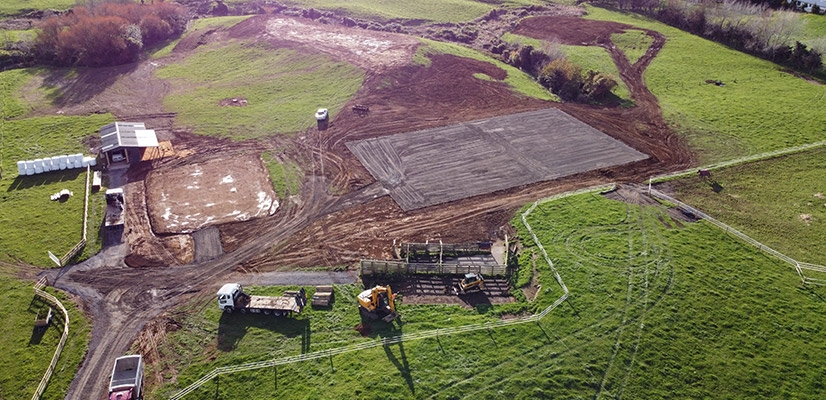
(435, 333)
(798, 266)
(741, 160)
(38, 291)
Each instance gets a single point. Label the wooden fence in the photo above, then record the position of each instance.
(386, 267)
(415, 250)
(38, 291)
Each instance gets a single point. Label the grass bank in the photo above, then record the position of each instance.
(282, 88)
(760, 108)
(285, 176)
(16, 7)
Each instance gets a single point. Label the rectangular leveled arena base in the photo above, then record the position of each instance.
(439, 165)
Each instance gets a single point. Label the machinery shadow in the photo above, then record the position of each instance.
(401, 364)
(233, 327)
(440, 289)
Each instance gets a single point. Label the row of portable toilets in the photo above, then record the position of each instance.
(56, 163)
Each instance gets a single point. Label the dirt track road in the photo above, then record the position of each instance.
(360, 220)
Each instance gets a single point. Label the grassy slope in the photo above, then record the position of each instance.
(14, 7)
(200, 23)
(633, 43)
(587, 57)
(23, 361)
(764, 109)
(31, 224)
(768, 200)
(285, 176)
(519, 81)
(283, 89)
(655, 309)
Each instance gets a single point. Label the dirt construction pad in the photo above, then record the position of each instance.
(439, 165)
(190, 197)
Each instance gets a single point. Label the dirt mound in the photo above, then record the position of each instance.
(235, 101)
(570, 30)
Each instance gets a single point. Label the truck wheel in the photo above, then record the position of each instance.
(228, 310)
(243, 311)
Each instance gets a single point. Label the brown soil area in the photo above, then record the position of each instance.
(193, 196)
(340, 215)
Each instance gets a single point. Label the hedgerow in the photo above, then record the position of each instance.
(107, 33)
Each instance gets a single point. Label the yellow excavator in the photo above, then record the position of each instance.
(378, 302)
(472, 282)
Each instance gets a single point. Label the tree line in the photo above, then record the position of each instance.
(751, 27)
(107, 33)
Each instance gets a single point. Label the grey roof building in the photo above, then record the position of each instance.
(117, 137)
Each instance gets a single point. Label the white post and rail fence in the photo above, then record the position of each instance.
(47, 297)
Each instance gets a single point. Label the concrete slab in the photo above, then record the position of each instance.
(440, 165)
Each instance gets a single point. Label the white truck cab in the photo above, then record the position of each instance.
(227, 295)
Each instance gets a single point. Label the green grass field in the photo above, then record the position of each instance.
(743, 117)
(32, 224)
(657, 307)
(780, 202)
(285, 176)
(283, 89)
(25, 355)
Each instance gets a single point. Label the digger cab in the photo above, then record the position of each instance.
(472, 281)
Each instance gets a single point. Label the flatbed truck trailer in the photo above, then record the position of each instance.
(231, 298)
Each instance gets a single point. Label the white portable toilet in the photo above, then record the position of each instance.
(21, 168)
(55, 163)
(38, 165)
(93, 161)
(47, 164)
(64, 160)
